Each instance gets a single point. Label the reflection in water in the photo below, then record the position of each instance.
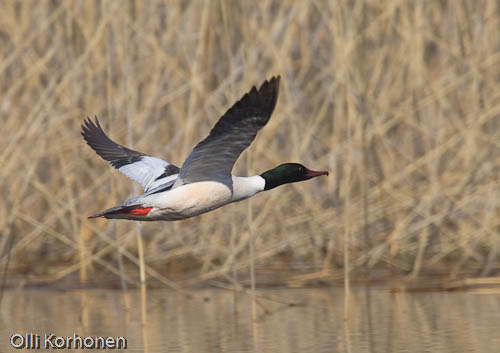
(220, 321)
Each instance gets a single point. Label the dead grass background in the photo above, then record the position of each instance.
(400, 100)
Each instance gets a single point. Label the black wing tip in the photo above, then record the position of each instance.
(269, 87)
(87, 122)
(274, 82)
(270, 90)
(263, 99)
(268, 95)
(90, 127)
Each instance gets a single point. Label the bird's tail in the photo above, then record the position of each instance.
(124, 212)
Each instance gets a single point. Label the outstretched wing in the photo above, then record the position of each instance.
(150, 172)
(214, 157)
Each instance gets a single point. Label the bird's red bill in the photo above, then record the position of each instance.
(140, 211)
(314, 173)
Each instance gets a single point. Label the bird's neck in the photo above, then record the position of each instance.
(273, 179)
(245, 187)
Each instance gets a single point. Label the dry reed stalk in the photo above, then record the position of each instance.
(144, 316)
(420, 81)
(83, 237)
(251, 240)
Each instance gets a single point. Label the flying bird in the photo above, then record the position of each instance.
(204, 181)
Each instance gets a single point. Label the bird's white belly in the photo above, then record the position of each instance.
(190, 200)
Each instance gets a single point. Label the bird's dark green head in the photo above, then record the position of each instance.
(288, 173)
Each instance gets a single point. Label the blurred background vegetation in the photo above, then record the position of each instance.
(400, 100)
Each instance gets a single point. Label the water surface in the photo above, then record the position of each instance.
(286, 320)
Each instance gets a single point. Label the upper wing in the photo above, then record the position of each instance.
(214, 157)
(148, 171)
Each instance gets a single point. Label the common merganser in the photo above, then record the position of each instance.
(204, 182)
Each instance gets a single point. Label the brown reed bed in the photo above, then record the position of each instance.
(400, 100)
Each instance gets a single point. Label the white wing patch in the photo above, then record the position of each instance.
(146, 171)
(150, 172)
